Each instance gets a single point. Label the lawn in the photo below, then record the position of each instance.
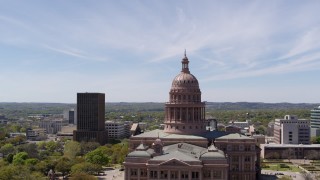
(281, 167)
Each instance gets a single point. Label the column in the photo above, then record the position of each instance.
(180, 114)
(139, 172)
(202, 113)
(187, 113)
(189, 172)
(179, 175)
(128, 173)
(192, 114)
(169, 174)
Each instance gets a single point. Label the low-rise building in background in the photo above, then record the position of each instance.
(292, 130)
(118, 130)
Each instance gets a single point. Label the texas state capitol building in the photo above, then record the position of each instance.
(184, 150)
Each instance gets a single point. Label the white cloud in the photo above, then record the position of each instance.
(224, 40)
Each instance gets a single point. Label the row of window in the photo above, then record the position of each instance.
(183, 127)
(238, 147)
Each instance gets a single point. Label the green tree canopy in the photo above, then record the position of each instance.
(51, 146)
(30, 148)
(86, 167)
(82, 176)
(315, 139)
(63, 166)
(72, 149)
(20, 158)
(98, 156)
(88, 146)
(6, 149)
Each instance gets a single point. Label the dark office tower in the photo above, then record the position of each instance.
(71, 117)
(90, 117)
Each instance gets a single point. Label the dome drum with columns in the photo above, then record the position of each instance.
(185, 113)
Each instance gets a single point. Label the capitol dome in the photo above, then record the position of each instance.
(185, 80)
(185, 113)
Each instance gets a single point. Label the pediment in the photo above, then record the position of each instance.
(174, 162)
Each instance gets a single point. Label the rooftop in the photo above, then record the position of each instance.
(234, 136)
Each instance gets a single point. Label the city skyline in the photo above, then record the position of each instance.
(251, 51)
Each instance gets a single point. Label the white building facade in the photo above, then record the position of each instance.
(315, 121)
(292, 130)
(117, 130)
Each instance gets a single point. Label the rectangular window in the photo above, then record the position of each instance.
(235, 159)
(184, 175)
(217, 175)
(164, 174)
(247, 167)
(234, 167)
(206, 174)
(134, 172)
(195, 175)
(174, 174)
(247, 159)
(143, 173)
(153, 174)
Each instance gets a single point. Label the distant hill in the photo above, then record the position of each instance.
(258, 105)
(15, 110)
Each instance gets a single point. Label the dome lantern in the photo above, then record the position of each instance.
(185, 63)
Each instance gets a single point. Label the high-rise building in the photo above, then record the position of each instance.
(315, 121)
(91, 118)
(70, 116)
(291, 130)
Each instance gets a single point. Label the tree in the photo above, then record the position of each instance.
(315, 139)
(88, 146)
(71, 149)
(30, 163)
(6, 149)
(30, 148)
(9, 158)
(7, 172)
(19, 139)
(98, 156)
(63, 166)
(19, 158)
(51, 146)
(42, 145)
(44, 166)
(86, 167)
(261, 130)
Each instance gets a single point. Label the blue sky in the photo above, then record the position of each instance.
(254, 51)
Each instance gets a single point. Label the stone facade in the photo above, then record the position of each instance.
(185, 113)
(185, 150)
